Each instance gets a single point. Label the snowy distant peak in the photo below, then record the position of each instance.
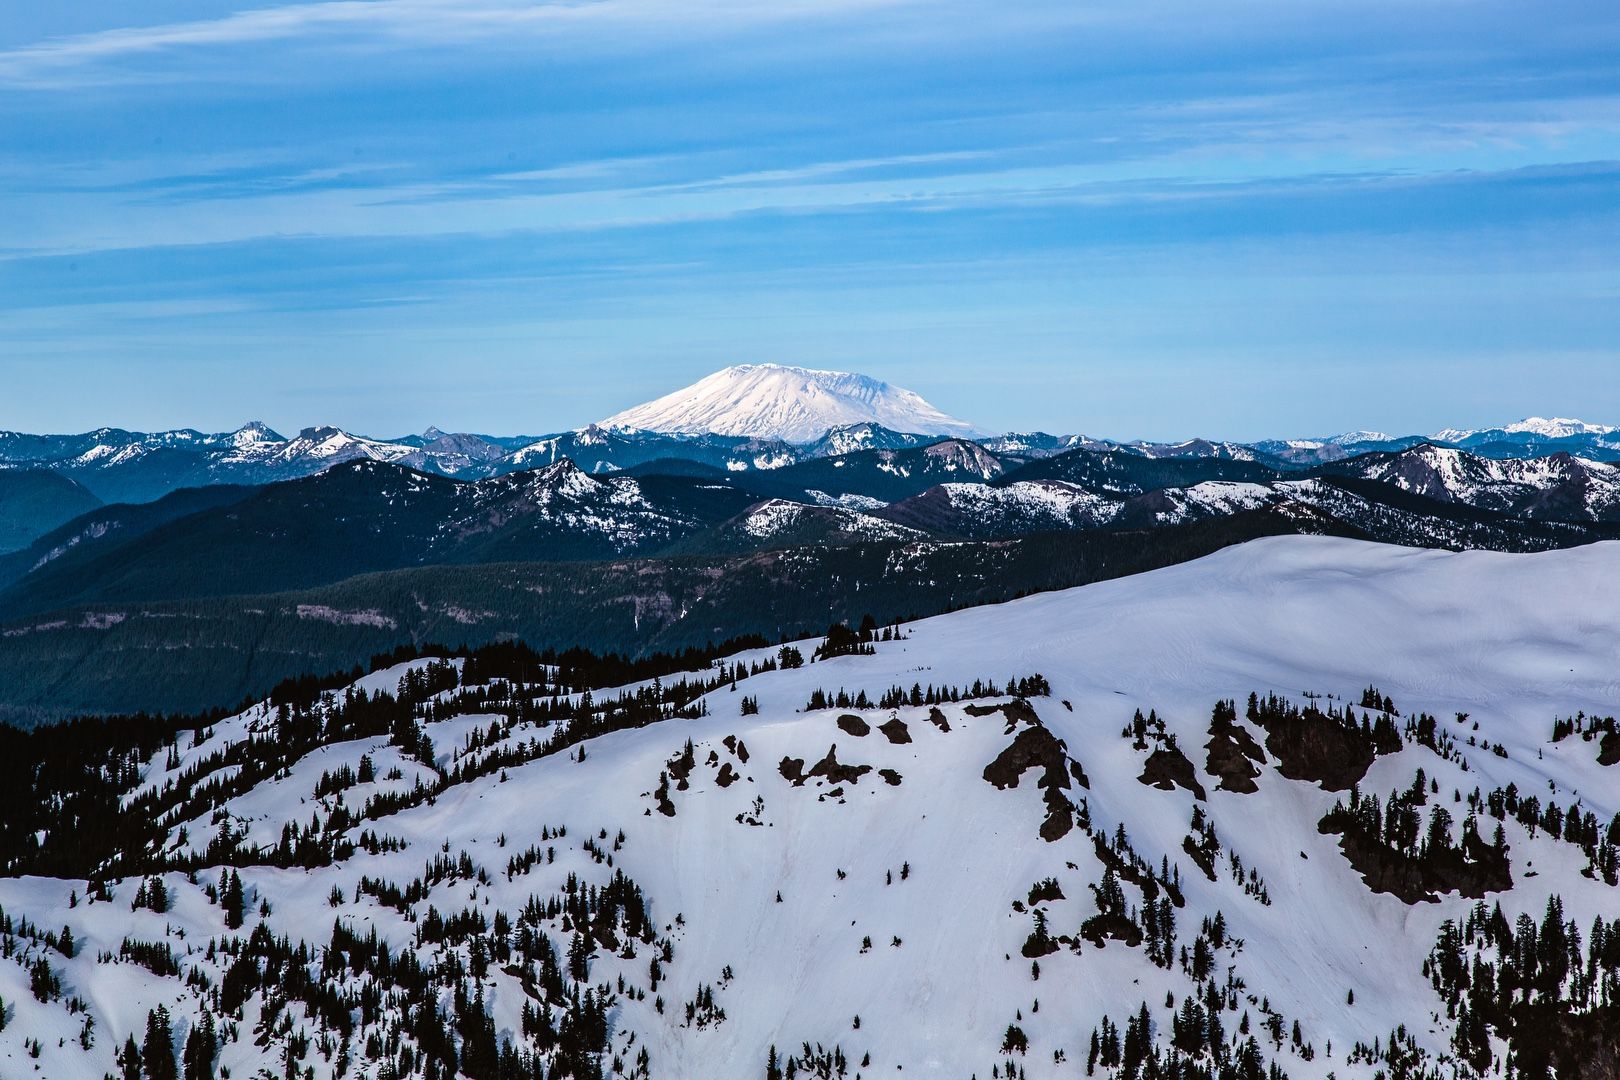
(1350, 438)
(335, 444)
(849, 438)
(1557, 427)
(258, 431)
(791, 403)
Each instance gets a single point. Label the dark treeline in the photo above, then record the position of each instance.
(185, 655)
(65, 806)
(1552, 998)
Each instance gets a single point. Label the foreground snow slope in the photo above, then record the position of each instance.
(888, 917)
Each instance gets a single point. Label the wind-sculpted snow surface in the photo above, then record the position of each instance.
(969, 892)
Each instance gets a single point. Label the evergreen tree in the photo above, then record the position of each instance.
(157, 1052)
(579, 954)
(234, 902)
(198, 1057)
(129, 1060)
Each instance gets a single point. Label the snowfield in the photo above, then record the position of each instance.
(887, 914)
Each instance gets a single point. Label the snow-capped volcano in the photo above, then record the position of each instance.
(791, 403)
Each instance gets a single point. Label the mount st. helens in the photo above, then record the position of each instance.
(1397, 858)
(794, 404)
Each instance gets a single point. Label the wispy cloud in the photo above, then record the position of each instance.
(89, 58)
(343, 202)
(922, 182)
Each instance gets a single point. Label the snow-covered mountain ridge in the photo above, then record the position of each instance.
(942, 889)
(1557, 427)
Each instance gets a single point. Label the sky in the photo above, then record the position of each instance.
(1143, 218)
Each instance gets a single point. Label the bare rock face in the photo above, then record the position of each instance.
(1167, 768)
(850, 724)
(834, 772)
(896, 731)
(1323, 747)
(1471, 869)
(1035, 747)
(1586, 1047)
(1233, 757)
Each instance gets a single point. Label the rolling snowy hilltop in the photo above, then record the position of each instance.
(861, 853)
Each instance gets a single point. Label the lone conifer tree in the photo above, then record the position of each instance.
(234, 902)
(157, 1052)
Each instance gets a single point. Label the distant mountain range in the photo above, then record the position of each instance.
(46, 480)
(365, 515)
(109, 526)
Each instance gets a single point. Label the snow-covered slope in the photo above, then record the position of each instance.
(791, 403)
(1557, 487)
(920, 889)
(780, 523)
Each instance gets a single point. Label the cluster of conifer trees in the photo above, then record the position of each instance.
(1538, 986)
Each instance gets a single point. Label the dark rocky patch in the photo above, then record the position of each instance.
(937, 718)
(1203, 858)
(1233, 755)
(1471, 869)
(1609, 748)
(1018, 710)
(727, 776)
(665, 807)
(1319, 753)
(890, 777)
(1129, 872)
(896, 731)
(850, 724)
(1584, 1046)
(737, 747)
(835, 772)
(1037, 946)
(681, 766)
(1326, 748)
(1167, 768)
(1100, 928)
(1043, 891)
(1037, 748)
(792, 770)
(1079, 774)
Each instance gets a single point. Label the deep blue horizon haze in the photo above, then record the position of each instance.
(1133, 219)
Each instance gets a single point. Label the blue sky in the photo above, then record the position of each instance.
(1150, 218)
